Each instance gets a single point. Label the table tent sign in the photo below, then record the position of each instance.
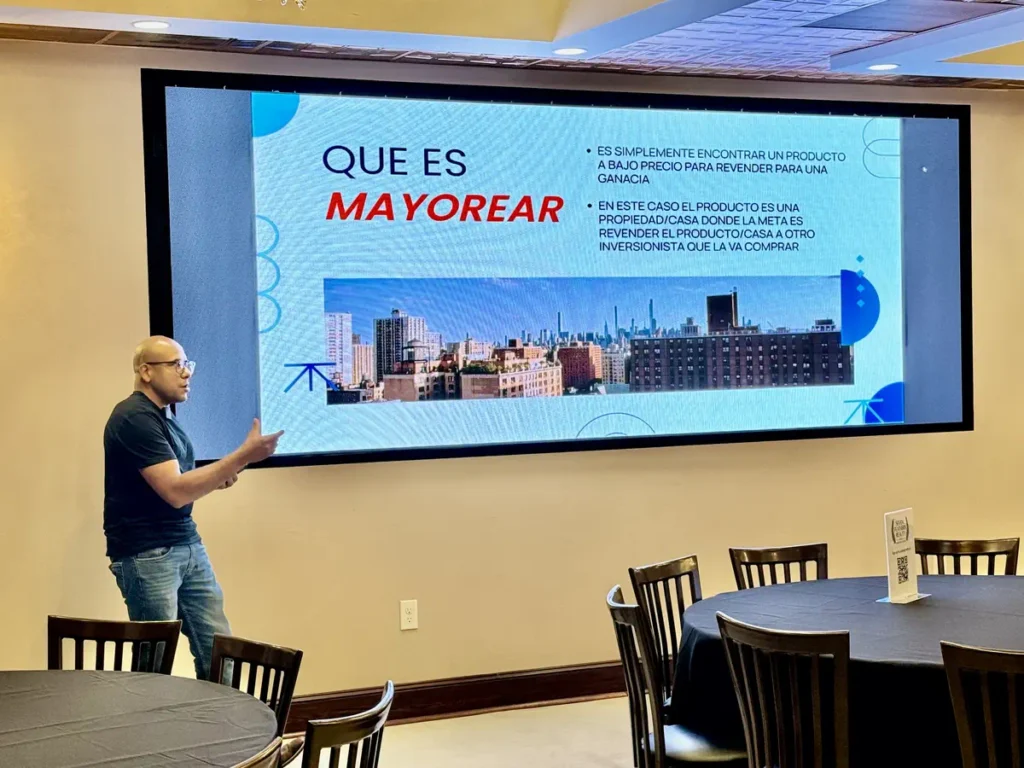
(900, 553)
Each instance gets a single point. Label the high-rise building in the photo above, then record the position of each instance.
(391, 335)
(613, 365)
(690, 327)
(741, 360)
(434, 344)
(471, 349)
(559, 325)
(616, 320)
(356, 339)
(650, 316)
(363, 364)
(338, 333)
(581, 364)
(417, 377)
(722, 315)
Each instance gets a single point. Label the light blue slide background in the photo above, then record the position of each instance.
(541, 150)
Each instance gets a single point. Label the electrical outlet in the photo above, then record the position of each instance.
(409, 615)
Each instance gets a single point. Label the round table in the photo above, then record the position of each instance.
(127, 720)
(897, 680)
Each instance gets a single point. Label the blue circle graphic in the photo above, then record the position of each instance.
(272, 111)
(860, 306)
(890, 410)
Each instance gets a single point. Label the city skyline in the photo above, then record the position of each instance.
(498, 308)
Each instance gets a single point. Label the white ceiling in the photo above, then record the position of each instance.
(806, 39)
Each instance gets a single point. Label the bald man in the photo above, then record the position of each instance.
(151, 482)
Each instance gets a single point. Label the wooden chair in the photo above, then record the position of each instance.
(986, 687)
(667, 745)
(662, 599)
(766, 563)
(361, 733)
(268, 758)
(153, 643)
(272, 670)
(990, 549)
(793, 693)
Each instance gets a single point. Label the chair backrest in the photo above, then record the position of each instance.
(152, 643)
(987, 688)
(958, 549)
(270, 674)
(793, 693)
(268, 758)
(662, 599)
(361, 733)
(643, 679)
(767, 563)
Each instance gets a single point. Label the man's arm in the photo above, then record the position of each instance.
(179, 489)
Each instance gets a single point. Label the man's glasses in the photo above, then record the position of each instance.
(179, 365)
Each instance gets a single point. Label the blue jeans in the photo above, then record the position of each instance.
(171, 583)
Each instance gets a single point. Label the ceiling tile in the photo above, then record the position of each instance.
(910, 15)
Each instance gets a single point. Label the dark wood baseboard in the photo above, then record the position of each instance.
(465, 695)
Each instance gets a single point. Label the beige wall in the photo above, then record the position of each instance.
(318, 558)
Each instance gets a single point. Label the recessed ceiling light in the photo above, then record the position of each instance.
(883, 67)
(150, 25)
(569, 51)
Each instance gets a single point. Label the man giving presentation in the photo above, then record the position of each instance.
(150, 484)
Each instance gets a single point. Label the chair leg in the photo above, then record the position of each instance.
(291, 749)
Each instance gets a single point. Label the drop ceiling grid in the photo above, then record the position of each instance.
(766, 35)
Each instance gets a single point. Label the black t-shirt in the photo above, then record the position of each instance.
(140, 434)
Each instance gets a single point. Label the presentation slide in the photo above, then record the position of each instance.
(442, 273)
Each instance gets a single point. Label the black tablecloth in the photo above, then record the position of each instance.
(896, 675)
(127, 720)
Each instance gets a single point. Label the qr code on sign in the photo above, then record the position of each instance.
(902, 570)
